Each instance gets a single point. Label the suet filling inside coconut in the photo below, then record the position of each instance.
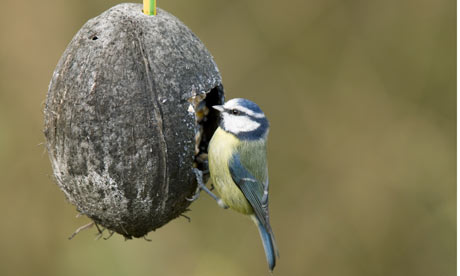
(207, 121)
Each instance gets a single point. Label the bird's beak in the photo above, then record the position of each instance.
(218, 107)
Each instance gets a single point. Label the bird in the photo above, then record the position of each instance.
(237, 156)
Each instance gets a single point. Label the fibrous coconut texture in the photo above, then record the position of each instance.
(128, 116)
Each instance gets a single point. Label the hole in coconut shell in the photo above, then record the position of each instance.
(207, 121)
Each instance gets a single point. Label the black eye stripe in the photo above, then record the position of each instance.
(235, 111)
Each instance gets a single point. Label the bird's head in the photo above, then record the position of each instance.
(244, 119)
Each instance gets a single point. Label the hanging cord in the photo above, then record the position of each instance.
(150, 7)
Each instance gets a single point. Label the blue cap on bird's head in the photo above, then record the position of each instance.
(244, 119)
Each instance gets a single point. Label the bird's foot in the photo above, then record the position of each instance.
(202, 187)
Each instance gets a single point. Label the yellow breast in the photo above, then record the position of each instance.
(221, 148)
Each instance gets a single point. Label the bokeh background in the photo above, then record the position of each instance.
(362, 101)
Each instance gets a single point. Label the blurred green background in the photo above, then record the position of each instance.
(361, 96)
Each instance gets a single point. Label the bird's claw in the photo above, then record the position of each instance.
(201, 187)
(195, 196)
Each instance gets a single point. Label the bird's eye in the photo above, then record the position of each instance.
(235, 112)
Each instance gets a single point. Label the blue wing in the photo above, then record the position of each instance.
(255, 192)
(257, 195)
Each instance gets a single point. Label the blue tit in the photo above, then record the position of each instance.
(237, 156)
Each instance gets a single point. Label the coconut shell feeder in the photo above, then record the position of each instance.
(128, 118)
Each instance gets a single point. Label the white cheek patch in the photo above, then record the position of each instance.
(237, 124)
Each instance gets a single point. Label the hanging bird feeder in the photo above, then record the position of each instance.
(128, 118)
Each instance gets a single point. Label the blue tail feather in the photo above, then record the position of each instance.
(268, 243)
